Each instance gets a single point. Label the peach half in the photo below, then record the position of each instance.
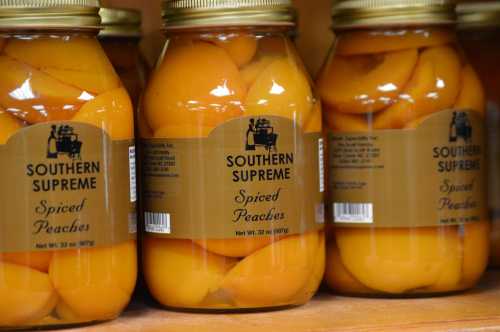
(367, 83)
(400, 260)
(76, 61)
(274, 274)
(212, 90)
(181, 274)
(282, 89)
(27, 295)
(95, 283)
(433, 87)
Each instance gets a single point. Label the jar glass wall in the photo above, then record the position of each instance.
(120, 37)
(407, 204)
(479, 33)
(66, 129)
(124, 54)
(234, 113)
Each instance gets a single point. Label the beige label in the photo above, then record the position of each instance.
(249, 177)
(432, 175)
(65, 185)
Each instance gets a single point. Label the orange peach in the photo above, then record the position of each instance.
(112, 111)
(336, 275)
(38, 260)
(434, 87)
(27, 295)
(241, 48)
(179, 273)
(398, 260)
(34, 96)
(65, 313)
(282, 89)
(368, 83)
(95, 283)
(274, 274)
(86, 81)
(250, 72)
(312, 285)
(77, 61)
(212, 90)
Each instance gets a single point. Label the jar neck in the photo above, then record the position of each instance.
(279, 30)
(397, 29)
(89, 33)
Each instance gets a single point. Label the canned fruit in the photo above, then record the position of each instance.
(367, 83)
(241, 48)
(27, 295)
(196, 84)
(36, 97)
(273, 274)
(434, 87)
(281, 90)
(112, 111)
(406, 259)
(38, 260)
(179, 273)
(82, 276)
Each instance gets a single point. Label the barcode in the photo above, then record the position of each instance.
(321, 166)
(132, 172)
(360, 213)
(157, 222)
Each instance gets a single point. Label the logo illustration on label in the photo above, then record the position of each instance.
(260, 133)
(460, 127)
(63, 141)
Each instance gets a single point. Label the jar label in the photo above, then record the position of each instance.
(432, 175)
(251, 177)
(65, 185)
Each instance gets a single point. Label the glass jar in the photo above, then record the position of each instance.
(120, 38)
(479, 33)
(232, 178)
(67, 243)
(404, 112)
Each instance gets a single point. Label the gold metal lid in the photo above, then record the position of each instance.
(120, 22)
(479, 15)
(49, 14)
(373, 13)
(179, 14)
